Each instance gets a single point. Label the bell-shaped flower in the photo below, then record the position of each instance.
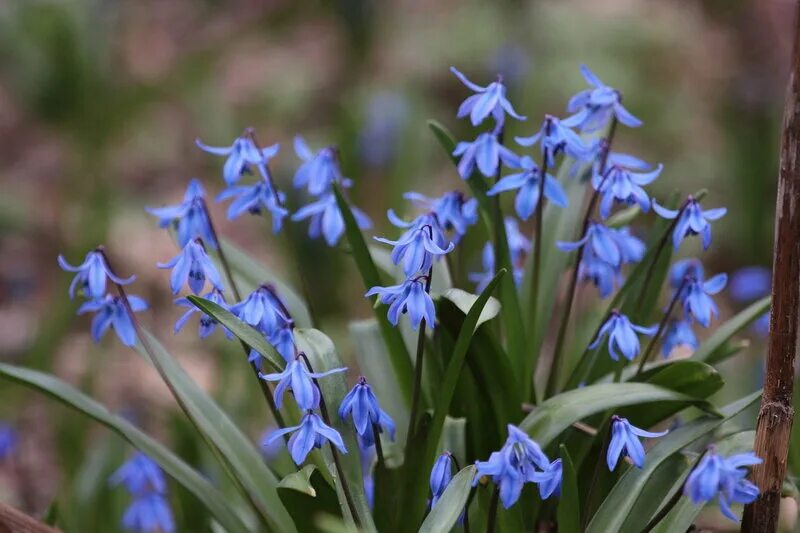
(556, 137)
(318, 171)
(419, 244)
(549, 480)
(149, 513)
(603, 242)
(603, 275)
(255, 198)
(683, 270)
(241, 155)
(262, 310)
(441, 475)
(623, 185)
(453, 211)
(594, 107)
(300, 380)
(362, 405)
(631, 247)
(622, 338)
(207, 323)
(722, 478)
(696, 297)
(408, 297)
(311, 433)
(692, 220)
(489, 100)
(679, 333)
(194, 266)
(189, 217)
(625, 442)
(282, 339)
(527, 184)
(140, 475)
(91, 275)
(326, 219)
(111, 312)
(484, 153)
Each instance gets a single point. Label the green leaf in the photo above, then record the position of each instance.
(198, 485)
(445, 513)
(401, 361)
(465, 300)
(713, 347)
(232, 448)
(624, 497)
(300, 481)
(255, 274)
(569, 505)
(321, 352)
(552, 417)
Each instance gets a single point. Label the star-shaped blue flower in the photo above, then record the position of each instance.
(722, 478)
(326, 219)
(192, 266)
(484, 153)
(417, 247)
(300, 380)
(149, 513)
(91, 275)
(603, 275)
(594, 107)
(625, 442)
(549, 479)
(207, 323)
(556, 137)
(692, 220)
(140, 475)
(253, 199)
(242, 154)
(527, 184)
(111, 312)
(602, 241)
(696, 297)
(408, 297)
(489, 100)
(188, 217)
(362, 405)
(319, 171)
(623, 185)
(453, 211)
(311, 433)
(622, 338)
(262, 310)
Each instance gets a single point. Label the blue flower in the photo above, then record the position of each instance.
(241, 155)
(417, 246)
(380, 138)
(149, 513)
(683, 269)
(441, 475)
(486, 153)
(621, 184)
(625, 442)
(362, 405)
(297, 377)
(488, 100)
(692, 220)
(311, 433)
(261, 309)
(8, 441)
(679, 333)
(750, 283)
(594, 107)
(207, 323)
(92, 274)
(556, 137)
(631, 248)
(518, 244)
(602, 241)
(282, 339)
(604, 276)
(723, 478)
(192, 265)
(452, 210)
(111, 312)
(318, 171)
(696, 297)
(326, 219)
(621, 336)
(254, 198)
(189, 217)
(140, 475)
(270, 448)
(527, 183)
(549, 480)
(409, 297)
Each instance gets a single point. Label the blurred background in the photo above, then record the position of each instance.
(100, 103)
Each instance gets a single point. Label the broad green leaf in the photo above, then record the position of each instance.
(465, 300)
(232, 448)
(401, 361)
(445, 513)
(182, 473)
(323, 357)
(713, 347)
(300, 481)
(569, 504)
(556, 414)
(256, 274)
(622, 499)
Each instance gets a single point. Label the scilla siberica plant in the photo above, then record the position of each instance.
(514, 395)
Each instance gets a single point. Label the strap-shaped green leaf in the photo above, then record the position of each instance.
(569, 504)
(445, 513)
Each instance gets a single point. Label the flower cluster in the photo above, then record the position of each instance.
(722, 478)
(149, 511)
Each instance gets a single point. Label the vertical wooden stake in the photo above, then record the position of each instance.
(776, 413)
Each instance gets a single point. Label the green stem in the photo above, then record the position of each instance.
(491, 521)
(537, 248)
(587, 506)
(661, 327)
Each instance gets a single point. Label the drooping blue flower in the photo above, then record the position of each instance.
(319, 171)
(489, 100)
(149, 513)
(549, 480)
(91, 275)
(282, 339)
(189, 217)
(603, 242)
(242, 154)
(622, 338)
(604, 276)
(253, 199)
(453, 211)
(594, 107)
(408, 297)
(518, 244)
(724, 479)
(326, 219)
(270, 448)
(207, 323)
(311, 433)
(750, 283)
(300, 380)
(556, 137)
(192, 266)
(8, 441)
(484, 153)
(625, 442)
(696, 297)
(623, 185)
(679, 333)
(417, 247)
(631, 248)
(140, 475)
(367, 457)
(441, 475)
(362, 405)
(692, 220)
(111, 312)
(527, 185)
(261, 309)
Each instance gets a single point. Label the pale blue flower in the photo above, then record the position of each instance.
(261, 309)
(625, 442)
(604, 276)
(556, 137)
(453, 211)
(242, 154)
(140, 475)
(326, 219)
(319, 171)
(489, 100)
(623, 185)
(362, 405)
(549, 479)
(192, 266)
(692, 220)
(300, 380)
(91, 275)
(527, 184)
(417, 247)
(111, 312)
(622, 338)
(253, 199)
(189, 217)
(602, 241)
(207, 323)
(696, 297)
(679, 333)
(311, 433)
(149, 513)
(594, 107)
(484, 153)
(441, 475)
(722, 478)
(408, 297)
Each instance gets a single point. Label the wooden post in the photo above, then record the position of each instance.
(776, 414)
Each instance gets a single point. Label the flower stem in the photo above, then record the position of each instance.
(491, 521)
(537, 248)
(418, 360)
(587, 506)
(376, 434)
(661, 327)
(222, 259)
